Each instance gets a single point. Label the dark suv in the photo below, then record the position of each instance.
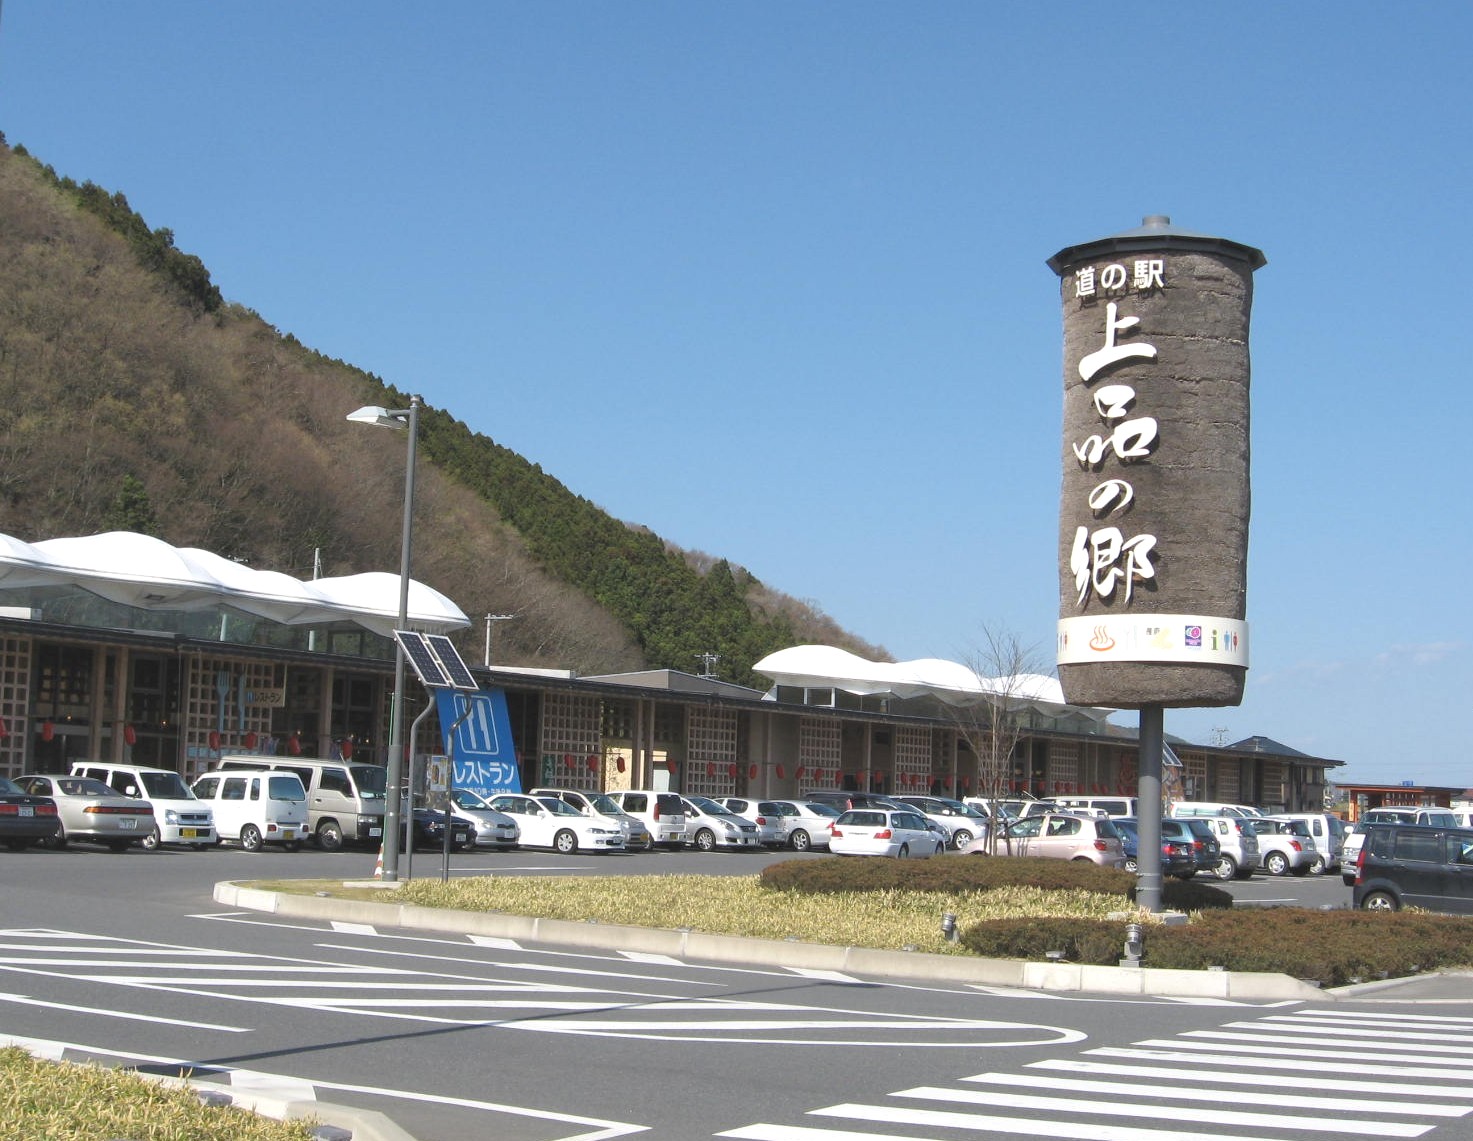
(1206, 850)
(1415, 865)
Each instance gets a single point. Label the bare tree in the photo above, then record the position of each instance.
(992, 722)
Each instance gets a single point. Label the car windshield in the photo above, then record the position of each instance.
(165, 786)
(10, 788)
(1127, 827)
(605, 805)
(1106, 827)
(821, 809)
(372, 781)
(465, 798)
(709, 806)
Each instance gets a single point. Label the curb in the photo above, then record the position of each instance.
(696, 945)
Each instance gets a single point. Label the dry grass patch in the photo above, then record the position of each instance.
(60, 1101)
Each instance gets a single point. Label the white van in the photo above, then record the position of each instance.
(178, 816)
(663, 813)
(345, 799)
(1100, 805)
(1328, 833)
(256, 808)
(1212, 808)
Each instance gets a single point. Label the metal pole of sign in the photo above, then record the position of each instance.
(1148, 792)
(450, 787)
(408, 820)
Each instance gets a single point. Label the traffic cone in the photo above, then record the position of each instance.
(378, 868)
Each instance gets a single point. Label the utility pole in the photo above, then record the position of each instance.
(490, 618)
(708, 665)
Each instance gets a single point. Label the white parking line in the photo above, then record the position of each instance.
(105, 1013)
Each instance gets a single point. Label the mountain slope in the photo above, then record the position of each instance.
(136, 397)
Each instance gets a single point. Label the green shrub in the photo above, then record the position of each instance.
(1332, 948)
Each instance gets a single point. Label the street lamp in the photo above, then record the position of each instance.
(397, 418)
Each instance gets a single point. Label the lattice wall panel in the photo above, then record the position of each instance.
(1064, 768)
(219, 713)
(572, 731)
(820, 752)
(15, 700)
(711, 749)
(912, 759)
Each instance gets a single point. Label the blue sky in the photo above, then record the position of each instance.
(769, 278)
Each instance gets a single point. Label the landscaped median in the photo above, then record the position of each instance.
(1047, 924)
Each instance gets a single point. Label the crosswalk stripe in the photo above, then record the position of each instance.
(1030, 1127)
(1347, 1047)
(1295, 1064)
(1180, 1073)
(1159, 1112)
(1238, 1097)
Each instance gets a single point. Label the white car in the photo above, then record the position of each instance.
(962, 822)
(770, 816)
(709, 825)
(546, 822)
(492, 829)
(810, 823)
(884, 832)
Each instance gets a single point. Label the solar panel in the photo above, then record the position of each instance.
(449, 657)
(431, 674)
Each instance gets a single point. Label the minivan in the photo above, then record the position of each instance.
(345, 799)
(178, 815)
(1415, 865)
(663, 813)
(256, 808)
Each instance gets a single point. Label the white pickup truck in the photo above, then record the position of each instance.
(1440, 817)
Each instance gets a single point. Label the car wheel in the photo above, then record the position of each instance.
(940, 847)
(1380, 901)
(565, 842)
(329, 836)
(960, 839)
(1318, 867)
(250, 838)
(705, 840)
(1227, 867)
(800, 840)
(57, 841)
(152, 841)
(1275, 864)
(1131, 866)
(903, 853)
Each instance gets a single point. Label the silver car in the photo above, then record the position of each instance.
(492, 829)
(709, 825)
(768, 815)
(91, 811)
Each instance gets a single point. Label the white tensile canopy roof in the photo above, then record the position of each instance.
(830, 667)
(144, 572)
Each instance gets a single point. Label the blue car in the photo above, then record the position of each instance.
(1177, 857)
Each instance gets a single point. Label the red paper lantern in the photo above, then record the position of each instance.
(346, 748)
(250, 738)
(672, 766)
(751, 772)
(214, 740)
(294, 745)
(620, 764)
(48, 730)
(797, 775)
(780, 774)
(731, 770)
(592, 763)
(710, 768)
(130, 735)
(4, 729)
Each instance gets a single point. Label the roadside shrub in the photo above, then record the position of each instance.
(1332, 948)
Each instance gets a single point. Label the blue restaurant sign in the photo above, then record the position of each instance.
(485, 759)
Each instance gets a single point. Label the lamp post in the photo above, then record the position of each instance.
(393, 801)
